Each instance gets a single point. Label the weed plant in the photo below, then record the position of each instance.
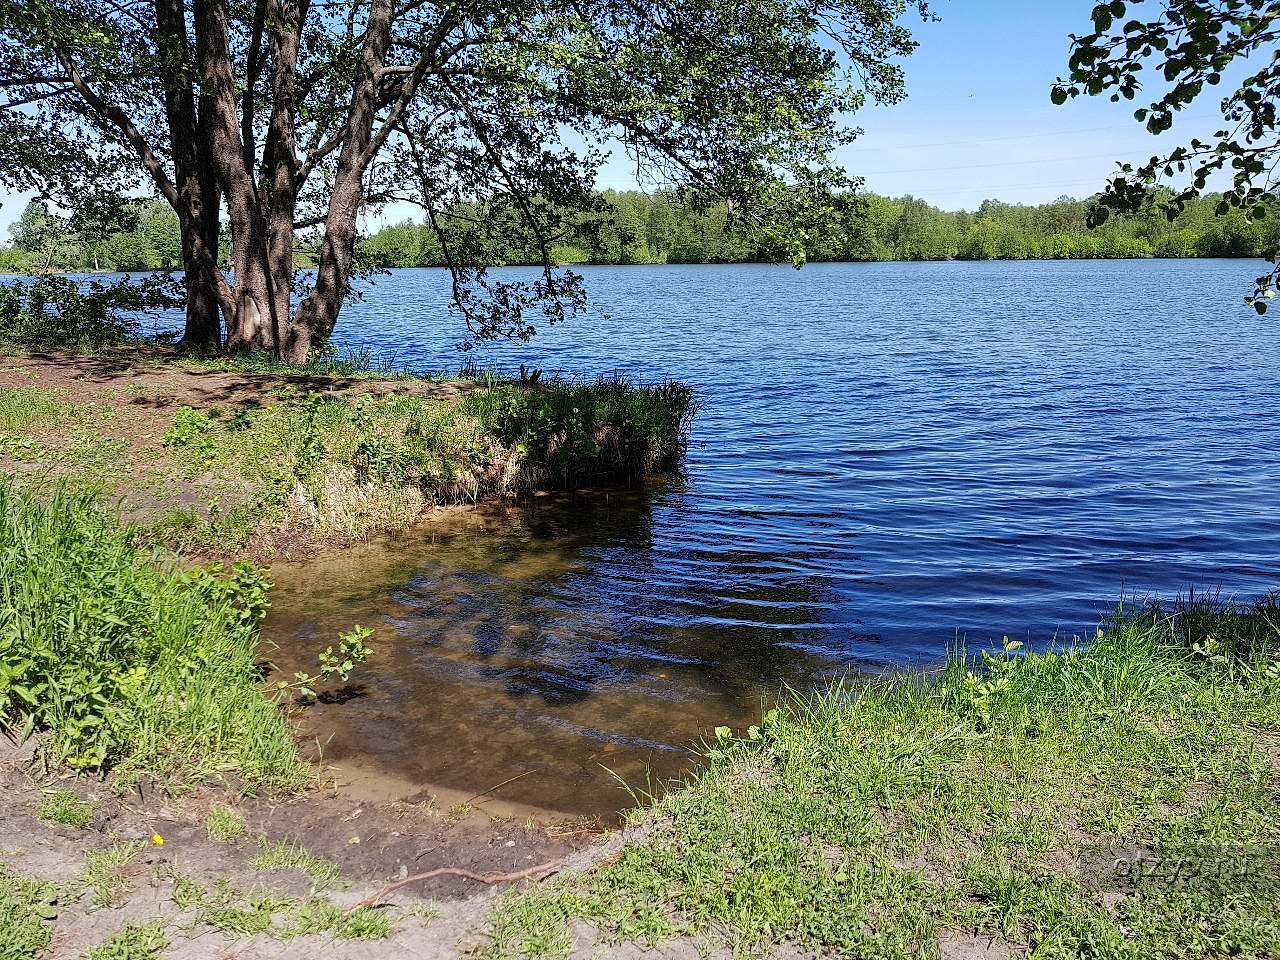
(119, 661)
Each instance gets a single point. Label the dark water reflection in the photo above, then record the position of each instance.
(889, 455)
(528, 641)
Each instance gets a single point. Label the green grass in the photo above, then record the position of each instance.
(340, 466)
(26, 906)
(24, 408)
(227, 909)
(224, 825)
(288, 855)
(1008, 798)
(316, 916)
(66, 808)
(105, 871)
(132, 942)
(120, 662)
(236, 479)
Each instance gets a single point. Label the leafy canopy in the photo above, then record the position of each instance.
(511, 108)
(1171, 53)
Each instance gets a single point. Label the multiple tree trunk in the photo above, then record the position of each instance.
(216, 164)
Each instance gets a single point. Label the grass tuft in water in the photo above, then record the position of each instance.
(1110, 799)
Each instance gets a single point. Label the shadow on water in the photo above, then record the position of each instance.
(540, 641)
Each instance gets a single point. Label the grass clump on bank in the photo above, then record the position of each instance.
(1120, 799)
(340, 466)
(134, 941)
(118, 661)
(215, 463)
(65, 808)
(224, 825)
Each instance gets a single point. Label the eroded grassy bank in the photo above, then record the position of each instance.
(119, 656)
(126, 660)
(229, 460)
(1117, 799)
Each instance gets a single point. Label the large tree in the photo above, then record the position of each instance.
(1172, 53)
(295, 116)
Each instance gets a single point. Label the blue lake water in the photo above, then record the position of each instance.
(921, 450)
(889, 457)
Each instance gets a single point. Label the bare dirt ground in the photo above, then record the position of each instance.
(162, 384)
(371, 845)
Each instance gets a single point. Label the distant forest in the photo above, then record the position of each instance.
(639, 228)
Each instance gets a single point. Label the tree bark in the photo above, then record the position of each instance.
(318, 313)
(195, 180)
(280, 155)
(254, 322)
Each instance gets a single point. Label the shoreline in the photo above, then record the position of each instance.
(181, 453)
(216, 461)
(1023, 802)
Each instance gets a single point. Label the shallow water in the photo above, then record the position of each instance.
(890, 456)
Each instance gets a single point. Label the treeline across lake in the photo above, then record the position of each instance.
(641, 228)
(657, 228)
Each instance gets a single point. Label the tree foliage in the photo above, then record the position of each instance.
(298, 117)
(1170, 54)
(639, 228)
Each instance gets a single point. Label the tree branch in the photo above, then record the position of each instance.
(132, 135)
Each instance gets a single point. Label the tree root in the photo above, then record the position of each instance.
(551, 866)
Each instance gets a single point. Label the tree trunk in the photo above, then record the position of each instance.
(195, 180)
(254, 322)
(280, 157)
(318, 313)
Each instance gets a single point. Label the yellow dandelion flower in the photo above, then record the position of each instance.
(157, 839)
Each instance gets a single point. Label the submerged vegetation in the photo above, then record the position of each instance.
(1110, 799)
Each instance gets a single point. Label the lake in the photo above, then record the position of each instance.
(890, 458)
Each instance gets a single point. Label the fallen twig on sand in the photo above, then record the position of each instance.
(543, 868)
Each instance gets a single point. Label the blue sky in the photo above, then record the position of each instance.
(977, 123)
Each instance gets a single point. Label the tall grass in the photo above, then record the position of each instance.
(117, 661)
(1111, 799)
(333, 465)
